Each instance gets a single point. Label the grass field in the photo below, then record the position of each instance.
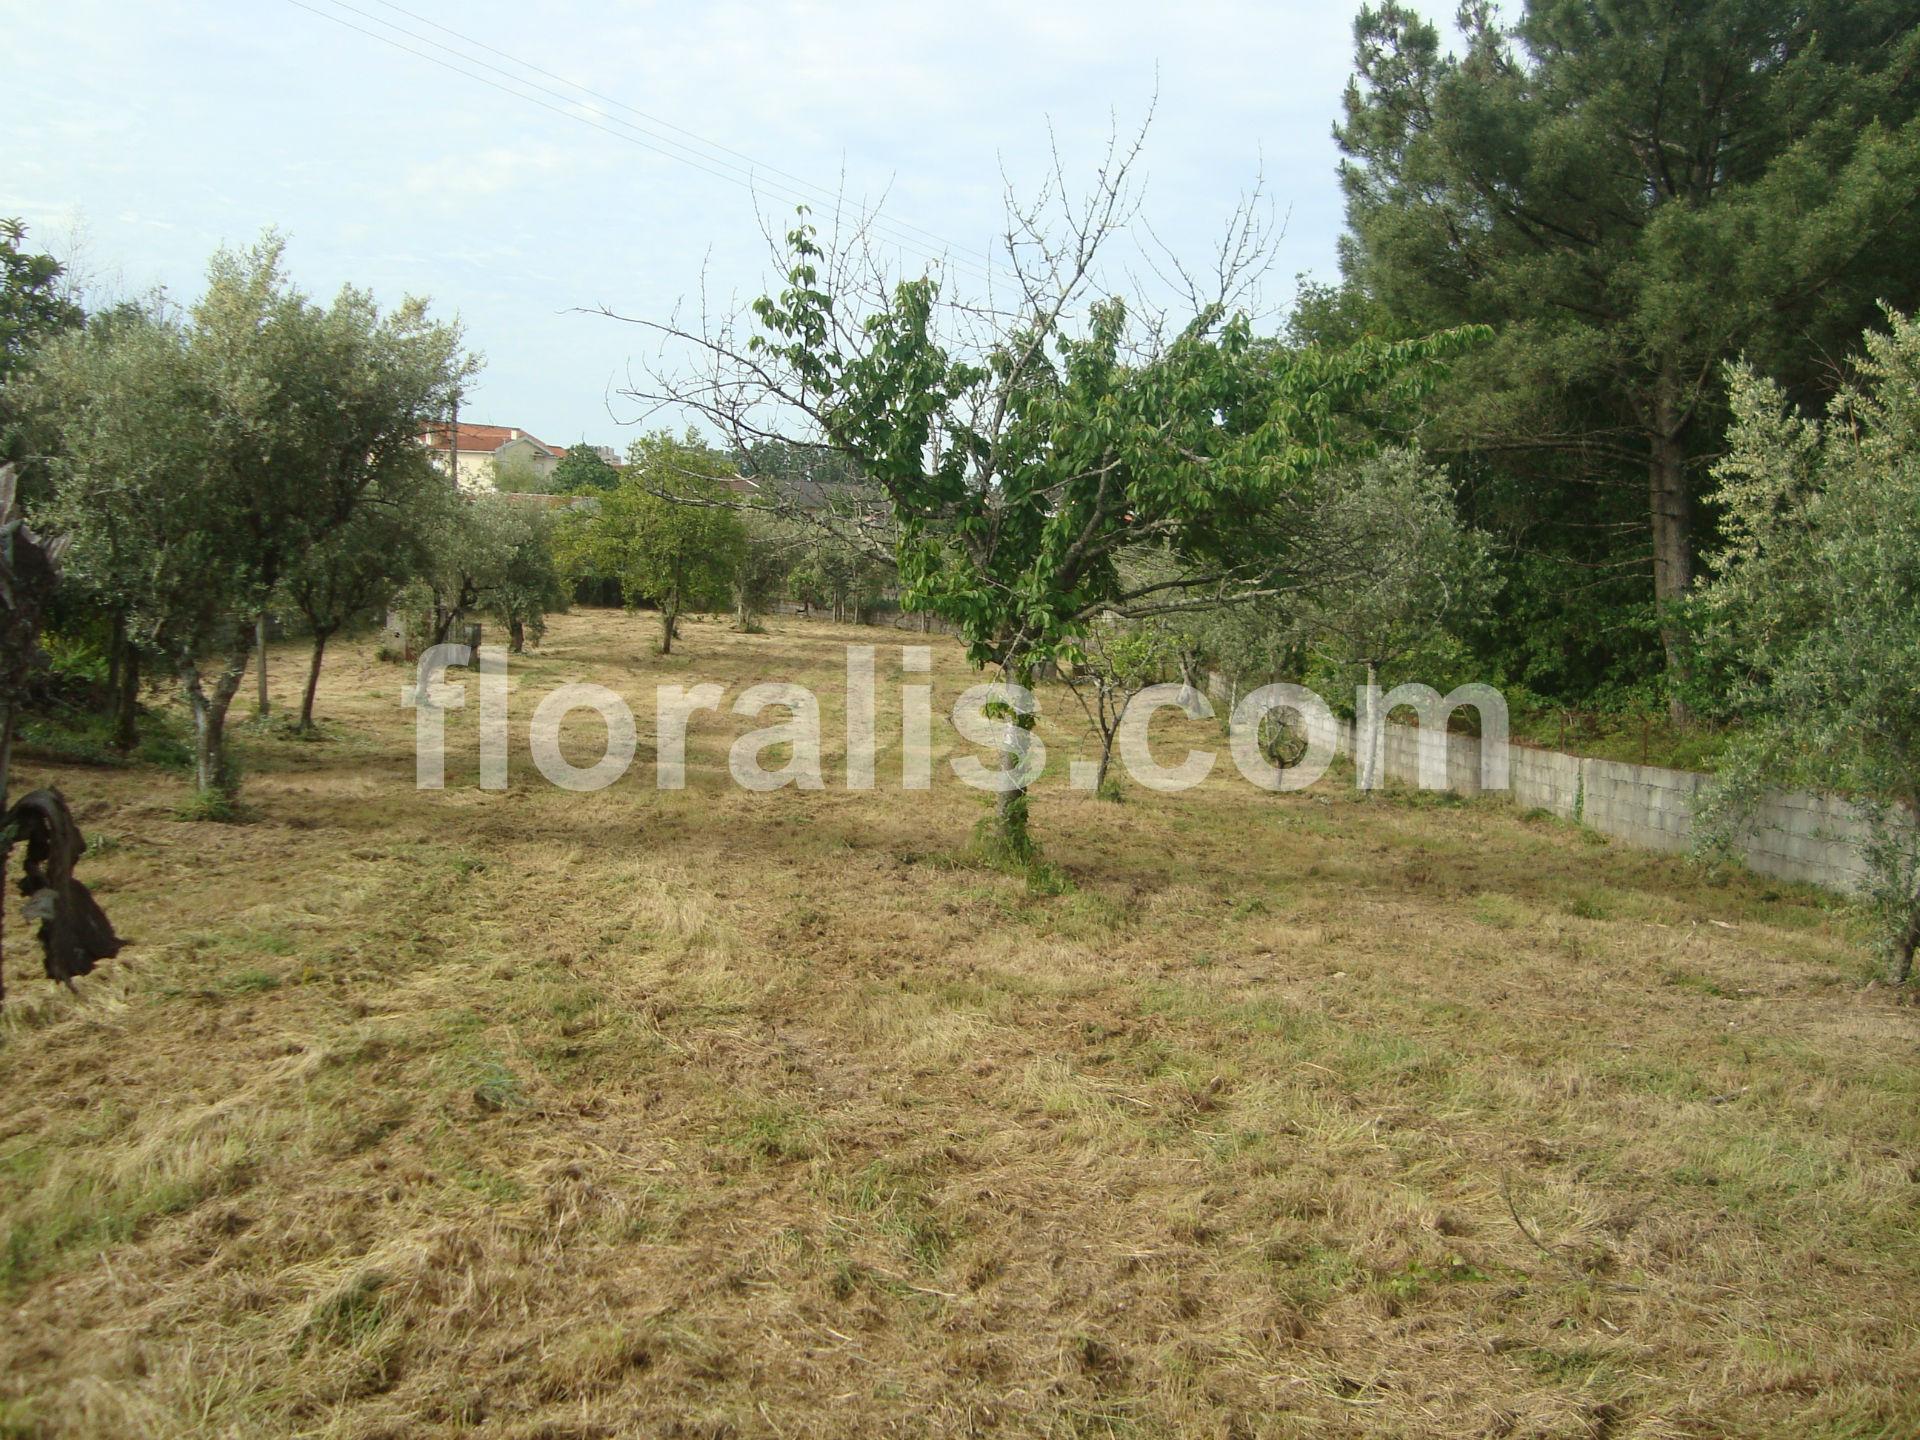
(716, 1114)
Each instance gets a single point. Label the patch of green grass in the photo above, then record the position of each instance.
(1694, 982)
(1591, 905)
(250, 982)
(498, 1088)
(349, 1315)
(76, 1210)
(218, 807)
(773, 1133)
(895, 1201)
(1502, 912)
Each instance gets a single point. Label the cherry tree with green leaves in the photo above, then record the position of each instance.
(1034, 449)
(669, 533)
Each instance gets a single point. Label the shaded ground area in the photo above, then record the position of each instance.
(713, 1114)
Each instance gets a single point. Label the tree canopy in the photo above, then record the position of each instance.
(581, 471)
(669, 533)
(1630, 195)
(33, 309)
(202, 455)
(1815, 601)
(1075, 457)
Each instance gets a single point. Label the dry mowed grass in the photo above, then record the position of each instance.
(716, 1114)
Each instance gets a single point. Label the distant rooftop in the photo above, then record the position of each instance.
(483, 439)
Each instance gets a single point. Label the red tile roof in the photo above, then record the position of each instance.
(482, 439)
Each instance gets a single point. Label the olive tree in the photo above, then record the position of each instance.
(493, 555)
(360, 566)
(202, 454)
(1428, 577)
(1815, 599)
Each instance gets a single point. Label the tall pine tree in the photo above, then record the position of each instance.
(1631, 192)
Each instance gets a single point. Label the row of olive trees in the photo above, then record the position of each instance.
(258, 449)
(681, 532)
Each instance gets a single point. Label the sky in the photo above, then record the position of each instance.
(139, 136)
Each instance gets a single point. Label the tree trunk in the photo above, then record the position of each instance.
(211, 773)
(126, 699)
(116, 653)
(1100, 772)
(666, 627)
(1672, 513)
(6, 832)
(320, 638)
(260, 643)
(1010, 808)
(1369, 731)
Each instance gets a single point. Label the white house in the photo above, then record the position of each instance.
(476, 450)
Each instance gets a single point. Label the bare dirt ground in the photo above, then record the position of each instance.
(717, 1114)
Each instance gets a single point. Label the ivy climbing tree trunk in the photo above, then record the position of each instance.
(1010, 803)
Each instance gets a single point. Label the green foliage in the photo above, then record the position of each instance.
(490, 555)
(33, 309)
(1629, 194)
(1816, 602)
(1107, 667)
(669, 533)
(358, 567)
(515, 571)
(828, 525)
(203, 455)
(837, 575)
(1019, 484)
(519, 475)
(1428, 577)
(766, 557)
(581, 471)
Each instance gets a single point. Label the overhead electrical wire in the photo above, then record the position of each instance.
(748, 176)
(940, 242)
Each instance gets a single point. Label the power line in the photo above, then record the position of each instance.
(644, 139)
(940, 241)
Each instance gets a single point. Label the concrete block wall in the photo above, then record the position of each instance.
(1794, 835)
(1799, 835)
(1544, 780)
(1641, 804)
